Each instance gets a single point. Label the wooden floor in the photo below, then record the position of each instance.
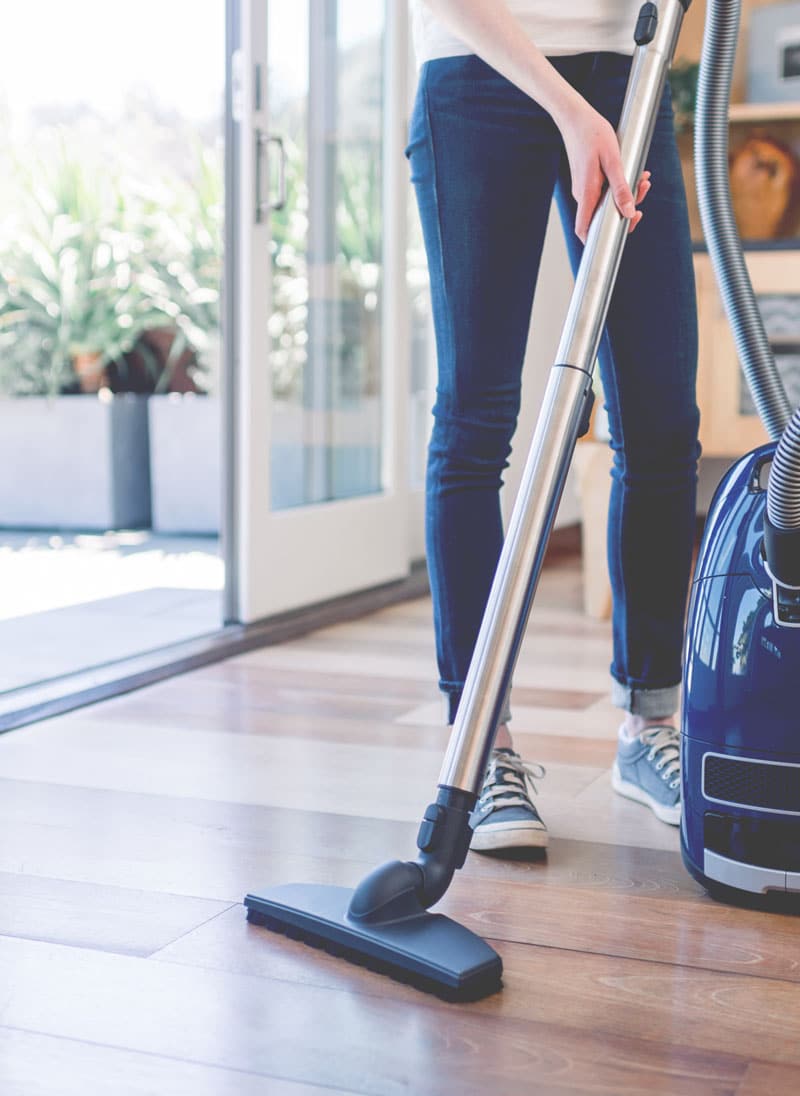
(130, 831)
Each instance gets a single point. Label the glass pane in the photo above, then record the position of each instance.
(422, 349)
(111, 207)
(326, 103)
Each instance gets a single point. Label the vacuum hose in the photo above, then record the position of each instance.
(727, 258)
(782, 522)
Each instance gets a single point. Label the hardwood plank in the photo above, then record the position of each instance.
(222, 850)
(298, 721)
(252, 690)
(764, 1078)
(600, 720)
(619, 911)
(232, 679)
(118, 919)
(544, 619)
(137, 826)
(719, 1012)
(586, 867)
(394, 638)
(598, 898)
(415, 729)
(687, 931)
(599, 814)
(703, 1009)
(197, 848)
(144, 758)
(593, 676)
(329, 775)
(563, 699)
(44, 1065)
(564, 749)
(252, 687)
(355, 1041)
(418, 728)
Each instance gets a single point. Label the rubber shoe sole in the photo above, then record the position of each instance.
(670, 815)
(508, 835)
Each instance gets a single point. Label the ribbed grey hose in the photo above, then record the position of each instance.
(716, 213)
(783, 490)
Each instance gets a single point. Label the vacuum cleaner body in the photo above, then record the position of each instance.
(740, 732)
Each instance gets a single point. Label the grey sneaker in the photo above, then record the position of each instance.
(504, 816)
(648, 770)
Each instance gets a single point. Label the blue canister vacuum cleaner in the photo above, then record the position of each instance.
(740, 742)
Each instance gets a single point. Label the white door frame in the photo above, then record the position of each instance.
(283, 560)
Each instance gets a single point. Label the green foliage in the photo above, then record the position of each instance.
(358, 213)
(89, 261)
(683, 81)
(288, 321)
(180, 227)
(352, 291)
(92, 258)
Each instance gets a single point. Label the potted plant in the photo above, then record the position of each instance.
(182, 230)
(73, 298)
(339, 322)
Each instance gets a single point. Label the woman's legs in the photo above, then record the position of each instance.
(648, 363)
(484, 159)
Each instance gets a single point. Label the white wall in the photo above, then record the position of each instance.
(711, 472)
(549, 311)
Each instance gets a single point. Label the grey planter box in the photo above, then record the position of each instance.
(74, 462)
(185, 463)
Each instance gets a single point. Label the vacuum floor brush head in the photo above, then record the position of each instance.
(427, 950)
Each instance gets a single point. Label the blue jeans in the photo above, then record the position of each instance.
(485, 161)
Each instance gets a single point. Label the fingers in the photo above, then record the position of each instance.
(618, 184)
(587, 199)
(643, 187)
(641, 194)
(589, 196)
(583, 218)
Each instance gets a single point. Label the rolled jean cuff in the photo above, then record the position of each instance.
(452, 695)
(648, 703)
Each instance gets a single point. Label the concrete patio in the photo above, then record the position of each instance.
(72, 601)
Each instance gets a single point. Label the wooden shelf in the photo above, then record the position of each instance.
(791, 243)
(764, 112)
(725, 429)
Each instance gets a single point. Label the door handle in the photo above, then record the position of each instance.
(263, 143)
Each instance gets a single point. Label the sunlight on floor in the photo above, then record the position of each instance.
(44, 571)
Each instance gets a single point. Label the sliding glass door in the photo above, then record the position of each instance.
(321, 374)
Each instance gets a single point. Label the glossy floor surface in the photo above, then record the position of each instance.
(130, 831)
(70, 601)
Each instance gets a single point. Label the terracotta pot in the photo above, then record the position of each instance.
(764, 177)
(133, 373)
(91, 376)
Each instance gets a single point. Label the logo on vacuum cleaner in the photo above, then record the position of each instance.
(768, 645)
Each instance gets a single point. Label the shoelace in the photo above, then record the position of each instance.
(507, 772)
(664, 741)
